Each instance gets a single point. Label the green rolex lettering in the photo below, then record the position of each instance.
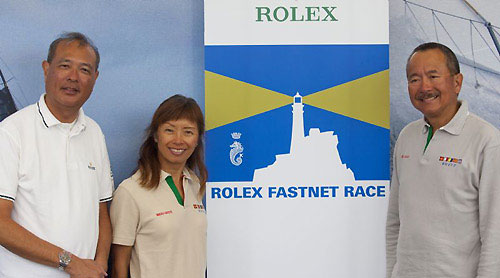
(285, 14)
(311, 14)
(263, 11)
(329, 16)
(294, 15)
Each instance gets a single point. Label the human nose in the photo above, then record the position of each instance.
(426, 84)
(73, 75)
(178, 137)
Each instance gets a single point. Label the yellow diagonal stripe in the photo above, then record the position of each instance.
(228, 100)
(365, 99)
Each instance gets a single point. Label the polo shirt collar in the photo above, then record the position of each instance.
(48, 119)
(185, 173)
(456, 125)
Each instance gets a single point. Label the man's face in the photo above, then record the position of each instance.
(70, 77)
(432, 88)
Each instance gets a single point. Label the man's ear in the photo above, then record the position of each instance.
(458, 79)
(45, 67)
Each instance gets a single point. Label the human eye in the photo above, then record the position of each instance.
(189, 132)
(63, 66)
(85, 70)
(413, 80)
(169, 130)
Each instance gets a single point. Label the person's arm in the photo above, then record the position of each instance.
(106, 186)
(23, 243)
(20, 241)
(125, 219)
(392, 224)
(104, 242)
(489, 213)
(121, 260)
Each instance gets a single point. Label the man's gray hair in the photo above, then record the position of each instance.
(70, 37)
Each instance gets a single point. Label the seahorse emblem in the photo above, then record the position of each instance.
(236, 153)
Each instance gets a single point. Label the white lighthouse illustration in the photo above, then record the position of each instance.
(313, 159)
(297, 123)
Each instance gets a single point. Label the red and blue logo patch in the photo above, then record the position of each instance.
(450, 161)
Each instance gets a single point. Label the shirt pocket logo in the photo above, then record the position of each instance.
(199, 208)
(450, 161)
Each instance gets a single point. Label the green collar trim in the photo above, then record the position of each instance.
(429, 137)
(170, 182)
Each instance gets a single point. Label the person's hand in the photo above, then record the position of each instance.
(84, 268)
(102, 263)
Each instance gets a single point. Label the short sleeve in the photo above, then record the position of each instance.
(9, 166)
(106, 183)
(124, 215)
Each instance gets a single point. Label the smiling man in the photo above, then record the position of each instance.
(55, 174)
(444, 208)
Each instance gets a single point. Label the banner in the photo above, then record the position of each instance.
(297, 115)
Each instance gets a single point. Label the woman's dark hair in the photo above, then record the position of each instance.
(176, 107)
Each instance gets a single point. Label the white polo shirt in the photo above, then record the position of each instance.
(56, 174)
(444, 209)
(168, 239)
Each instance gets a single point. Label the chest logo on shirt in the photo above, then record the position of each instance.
(405, 156)
(164, 213)
(199, 208)
(90, 166)
(450, 161)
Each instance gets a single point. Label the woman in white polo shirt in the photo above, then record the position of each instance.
(159, 221)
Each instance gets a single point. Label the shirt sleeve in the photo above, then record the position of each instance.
(489, 213)
(9, 166)
(124, 215)
(106, 183)
(392, 225)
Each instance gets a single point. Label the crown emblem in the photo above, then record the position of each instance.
(236, 135)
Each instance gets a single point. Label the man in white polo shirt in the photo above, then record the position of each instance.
(444, 208)
(55, 178)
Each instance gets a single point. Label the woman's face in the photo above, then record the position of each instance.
(176, 142)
